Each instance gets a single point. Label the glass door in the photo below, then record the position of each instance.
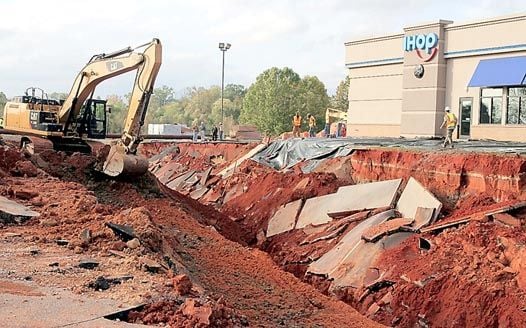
(466, 104)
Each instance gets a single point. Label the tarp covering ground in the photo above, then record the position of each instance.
(287, 153)
(282, 154)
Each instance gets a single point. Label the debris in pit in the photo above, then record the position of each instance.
(474, 216)
(415, 196)
(374, 233)
(198, 193)
(85, 236)
(62, 242)
(117, 253)
(12, 234)
(102, 283)
(133, 244)
(285, 218)
(13, 212)
(348, 198)
(124, 232)
(331, 260)
(89, 264)
(205, 176)
(182, 284)
(423, 217)
(151, 266)
(34, 250)
(99, 284)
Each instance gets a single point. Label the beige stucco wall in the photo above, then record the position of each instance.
(375, 87)
(381, 48)
(489, 33)
(375, 98)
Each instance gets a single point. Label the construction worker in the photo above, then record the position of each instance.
(450, 121)
(296, 125)
(195, 131)
(312, 126)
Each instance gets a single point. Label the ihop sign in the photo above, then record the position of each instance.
(425, 45)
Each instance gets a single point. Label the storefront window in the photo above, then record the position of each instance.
(491, 106)
(516, 106)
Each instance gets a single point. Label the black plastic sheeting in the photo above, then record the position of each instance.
(283, 154)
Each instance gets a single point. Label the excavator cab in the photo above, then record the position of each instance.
(94, 119)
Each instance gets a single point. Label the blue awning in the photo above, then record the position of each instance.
(499, 72)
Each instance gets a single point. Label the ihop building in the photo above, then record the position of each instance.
(401, 83)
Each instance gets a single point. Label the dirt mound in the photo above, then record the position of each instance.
(467, 279)
(188, 313)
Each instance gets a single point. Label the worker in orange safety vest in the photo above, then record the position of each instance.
(296, 125)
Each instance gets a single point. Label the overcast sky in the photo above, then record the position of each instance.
(46, 43)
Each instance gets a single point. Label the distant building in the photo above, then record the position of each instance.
(166, 129)
(400, 83)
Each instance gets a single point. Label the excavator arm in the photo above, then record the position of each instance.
(121, 156)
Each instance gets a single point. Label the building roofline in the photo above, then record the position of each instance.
(488, 21)
(449, 26)
(375, 39)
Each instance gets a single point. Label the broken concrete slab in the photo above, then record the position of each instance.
(285, 218)
(199, 192)
(167, 172)
(212, 196)
(13, 212)
(205, 176)
(415, 196)
(151, 266)
(423, 217)
(89, 264)
(57, 307)
(376, 232)
(124, 232)
(331, 260)
(353, 270)
(477, 215)
(231, 168)
(348, 198)
(331, 232)
(176, 183)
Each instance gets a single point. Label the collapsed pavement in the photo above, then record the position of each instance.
(396, 250)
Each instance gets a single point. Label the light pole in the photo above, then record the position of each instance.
(223, 47)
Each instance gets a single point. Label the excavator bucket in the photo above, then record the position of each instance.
(119, 163)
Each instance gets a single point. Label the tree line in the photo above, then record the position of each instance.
(269, 103)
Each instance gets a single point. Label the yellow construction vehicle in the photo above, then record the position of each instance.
(335, 120)
(70, 123)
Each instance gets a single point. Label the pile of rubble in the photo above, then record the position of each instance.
(165, 255)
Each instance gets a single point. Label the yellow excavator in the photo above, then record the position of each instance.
(69, 124)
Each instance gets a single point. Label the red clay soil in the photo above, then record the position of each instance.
(472, 277)
(447, 175)
(246, 282)
(262, 190)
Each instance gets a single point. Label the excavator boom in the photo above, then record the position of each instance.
(69, 122)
